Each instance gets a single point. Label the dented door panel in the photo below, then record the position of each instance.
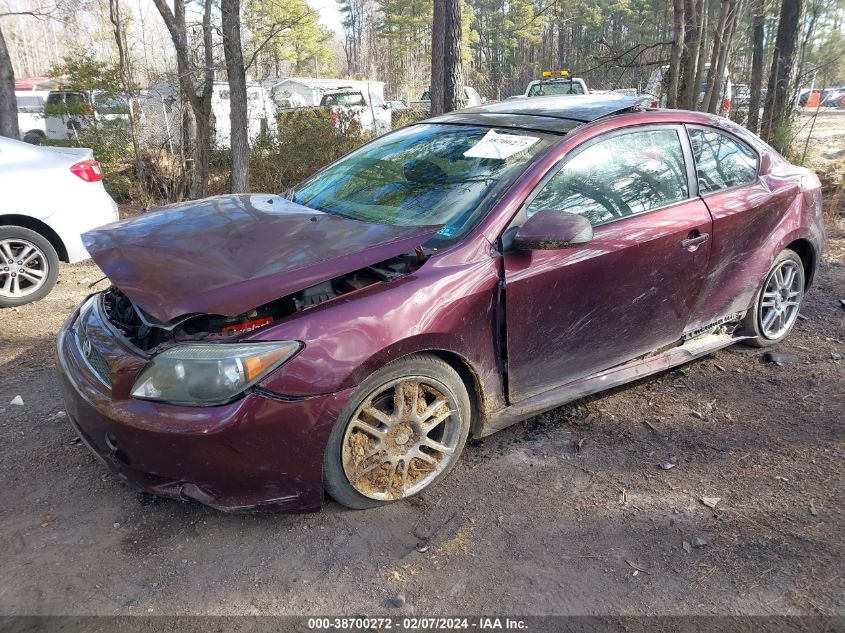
(575, 311)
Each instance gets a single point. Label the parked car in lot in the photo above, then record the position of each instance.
(31, 122)
(442, 281)
(805, 94)
(51, 195)
(835, 98)
(348, 105)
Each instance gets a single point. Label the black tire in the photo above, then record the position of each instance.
(51, 260)
(336, 482)
(33, 138)
(753, 325)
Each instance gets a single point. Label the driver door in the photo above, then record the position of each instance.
(575, 311)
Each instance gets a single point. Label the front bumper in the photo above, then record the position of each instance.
(259, 452)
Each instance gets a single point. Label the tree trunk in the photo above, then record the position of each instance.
(713, 99)
(8, 103)
(810, 31)
(561, 44)
(779, 102)
(203, 114)
(238, 115)
(126, 85)
(677, 50)
(702, 53)
(717, 103)
(200, 101)
(438, 53)
(759, 32)
(688, 88)
(453, 84)
(719, 34)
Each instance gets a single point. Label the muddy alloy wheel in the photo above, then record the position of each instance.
(776, 306)
(781, 298)
(404, 431)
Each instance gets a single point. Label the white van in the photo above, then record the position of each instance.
(31, 121)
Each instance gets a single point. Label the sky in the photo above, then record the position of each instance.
(329, 14)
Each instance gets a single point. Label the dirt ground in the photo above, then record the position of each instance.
(567, 513)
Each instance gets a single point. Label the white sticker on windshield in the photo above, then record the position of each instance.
(495, 145)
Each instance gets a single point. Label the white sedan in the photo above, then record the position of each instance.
(51, 195)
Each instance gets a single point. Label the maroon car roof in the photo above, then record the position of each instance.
(560, 113)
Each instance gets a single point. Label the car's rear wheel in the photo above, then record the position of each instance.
(400, 434)
(29, 266)
(775, 309)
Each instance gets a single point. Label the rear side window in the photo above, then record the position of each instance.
(30, 104)
(545, 89)
(618, 177)
(721, 161)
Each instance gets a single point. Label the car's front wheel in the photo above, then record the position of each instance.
(29, 266)
(400, 434)
(776, 306)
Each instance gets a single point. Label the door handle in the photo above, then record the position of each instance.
(692, 242)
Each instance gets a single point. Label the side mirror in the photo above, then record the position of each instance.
(765, 164)
(549, 230)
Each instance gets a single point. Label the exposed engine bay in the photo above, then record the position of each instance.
(143, 332)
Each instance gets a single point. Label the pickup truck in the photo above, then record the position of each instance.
(347, 105)
(555, 86)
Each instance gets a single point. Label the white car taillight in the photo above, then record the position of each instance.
(88, 170)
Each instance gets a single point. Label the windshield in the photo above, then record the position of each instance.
(343, 99)
(425, 174)
(548, 88)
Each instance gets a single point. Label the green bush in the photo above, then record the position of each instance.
(307, 140)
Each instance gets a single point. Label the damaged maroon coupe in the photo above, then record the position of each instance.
(445, 280)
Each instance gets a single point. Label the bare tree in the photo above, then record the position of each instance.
(238, 115)
(126, 82)
(677, 50)
(719, 34)
(779, 101)
(722, 42)
(438, 54)
(8, 103)
(197, 96)
(759, 33)
(453, 78)
(693, 40)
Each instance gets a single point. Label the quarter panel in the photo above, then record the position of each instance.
(750, 227)
(447, 305)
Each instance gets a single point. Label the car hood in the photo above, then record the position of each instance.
(228, 254)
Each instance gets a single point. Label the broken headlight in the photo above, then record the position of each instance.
(205, 374)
